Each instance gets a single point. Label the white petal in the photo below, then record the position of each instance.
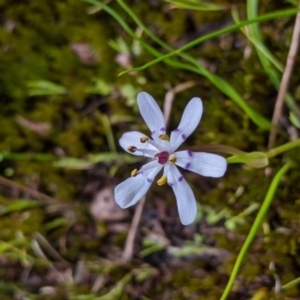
(186, 203)
(148, 168)
(205, 164)
(152, 115)
(130, 191)
(132, 138)
(189, 121)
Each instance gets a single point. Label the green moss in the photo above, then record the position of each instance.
(36, 45)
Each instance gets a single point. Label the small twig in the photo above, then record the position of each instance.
(128, 249)
(24, 189)
(285, 80)
(171, 94)
(40, 254)
(47, 246)
(98, 284)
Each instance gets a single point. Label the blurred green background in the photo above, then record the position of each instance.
(63, 108)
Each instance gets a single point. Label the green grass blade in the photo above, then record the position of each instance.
(197, 68)
(108, 131)
(291, 284)
(92, 159)
(220, 83)
(257, 43)
(26, 156)
(274, 77)
(19, 205)
(196, 5)
(283, 148)
(277, 14)
(268, 65)
(255, 227)
(45, 88)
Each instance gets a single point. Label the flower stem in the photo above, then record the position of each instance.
(283, 148)
(215, 149)
(255, 227)
(291, 284)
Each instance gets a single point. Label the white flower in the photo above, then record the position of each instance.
(161, 150)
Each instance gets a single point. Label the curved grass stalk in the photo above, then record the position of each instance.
(108, 131)
(257, 43)
(264, 53)
(197, 5)
(196, 67)
(220, 83)
(264, 56)
(255, 227)
(291, 284)
(214, 34)
(283, 148)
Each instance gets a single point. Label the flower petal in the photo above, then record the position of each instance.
(189, 121)
(130, 191)
(152, 115)
(186, 203)
(205, 164)
(133, 138)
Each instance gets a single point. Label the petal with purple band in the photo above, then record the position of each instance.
(162, 151)
(130, 191)
(186, 203)
(151, 114)
(133, 138)
(189, 121)
(205, 164)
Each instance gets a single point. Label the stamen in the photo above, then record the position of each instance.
(172, 159)
(134, 172)
(162, 180)
(164, 137)
(131, 149)
(144, 139)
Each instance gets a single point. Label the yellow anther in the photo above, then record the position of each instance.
(144, 139)
(134, 172)
(164, 137)
(172, 159)
(131, 149)
(162, 180)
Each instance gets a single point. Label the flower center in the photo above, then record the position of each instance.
(162, 157)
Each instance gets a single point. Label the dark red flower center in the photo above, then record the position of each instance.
(162, 157)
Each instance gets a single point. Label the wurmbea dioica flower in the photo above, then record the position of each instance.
(162, 150)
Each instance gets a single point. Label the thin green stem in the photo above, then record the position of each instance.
(108, 131)
(197, 68)
(255, 227)
(273, 74)
(214, 34)
(291, 284)
(283, 148)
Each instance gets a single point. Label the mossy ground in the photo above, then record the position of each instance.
(53, 245)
